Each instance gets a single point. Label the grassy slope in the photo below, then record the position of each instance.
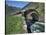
(13, 24)
(37, 6)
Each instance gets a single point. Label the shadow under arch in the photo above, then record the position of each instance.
(35, 16)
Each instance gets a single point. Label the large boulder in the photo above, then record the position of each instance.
(37, 27)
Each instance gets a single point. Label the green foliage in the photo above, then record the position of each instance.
(13, 24)
(39, 7)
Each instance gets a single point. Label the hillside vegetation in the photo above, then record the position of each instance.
(14, 23)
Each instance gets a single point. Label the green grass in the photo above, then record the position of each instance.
(14, 25)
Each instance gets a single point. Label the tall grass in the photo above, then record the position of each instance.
(14, 24)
